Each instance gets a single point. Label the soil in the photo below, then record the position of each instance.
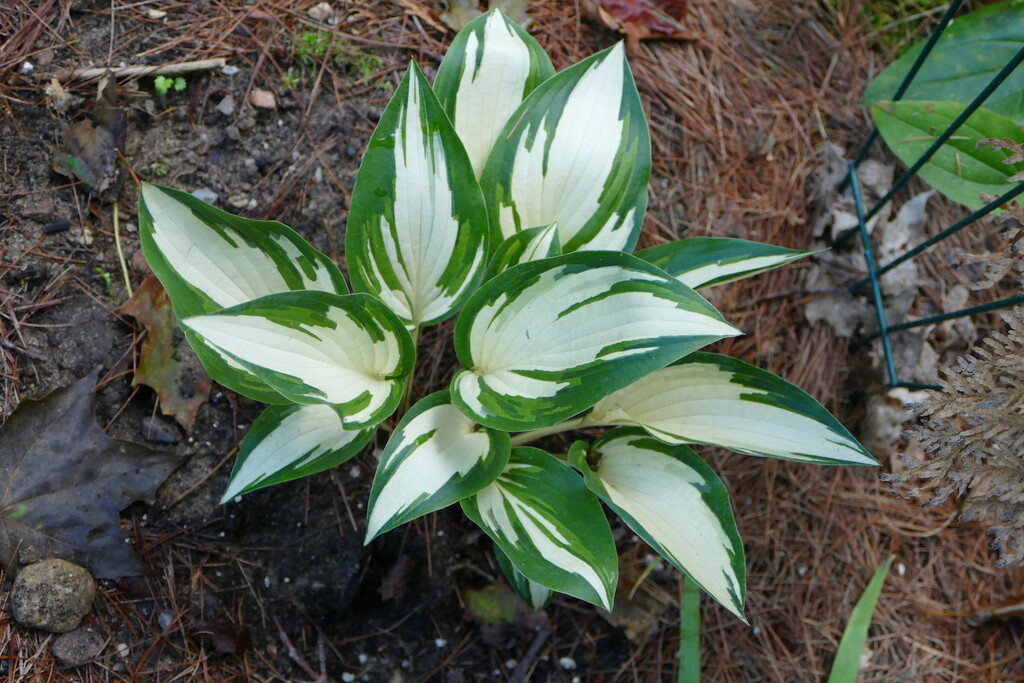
(278, 586)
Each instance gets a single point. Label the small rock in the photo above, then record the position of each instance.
(351, 150)
(321, 12)
(77, 647)
(227, 105)
(205, 194)
(249, 167)
(262, 99)
(156, 14)
(233, 133)
(52, 595)
(160, 431)
(246, 121)
(229, 70)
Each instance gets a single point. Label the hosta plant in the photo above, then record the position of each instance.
(512, 197)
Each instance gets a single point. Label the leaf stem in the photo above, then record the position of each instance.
(403, 407)
(568, 425)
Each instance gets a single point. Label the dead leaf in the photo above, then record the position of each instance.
(91, 146)
(64, 483)
(167, 364)
(493, 604)
(461, 12)
(642, 19)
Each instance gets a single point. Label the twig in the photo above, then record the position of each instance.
(142, 70)
(120, 252)
(519, 674)
(25, 352)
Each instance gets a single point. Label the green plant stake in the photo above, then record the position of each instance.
(512, 197)
(846, 667)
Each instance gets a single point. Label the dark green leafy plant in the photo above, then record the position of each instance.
(512, 197)
(968, 54)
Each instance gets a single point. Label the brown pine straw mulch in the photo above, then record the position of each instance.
(738, 120)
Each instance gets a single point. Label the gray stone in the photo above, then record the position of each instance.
(77, 647)
(227, 106)
(52, 595)
(205, 194)
(161, 431)
(233, 133)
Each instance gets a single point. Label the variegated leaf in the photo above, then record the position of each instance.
(576, 153)
(675, 502)
(531, 244)
(293, 441)
(553, 530)
(714, 399)
(350, 352)
(490, 67)
(708, 261)
(208, 259)
(547, 339)
(417, 229)
(435, 457)
(532, 593)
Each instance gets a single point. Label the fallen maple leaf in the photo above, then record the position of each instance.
(167, 366)
(642, 19)
(63, 483)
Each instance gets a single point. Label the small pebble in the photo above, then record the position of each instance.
(321, 12)
(440, 642)
(77, 647)
(227, 105)
(262, 99)
(567, 663)
(207, 195)
(233, 133)
(158, 430)
(229, 70)
(348, 677)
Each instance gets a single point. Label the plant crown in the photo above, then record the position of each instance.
(512, 196)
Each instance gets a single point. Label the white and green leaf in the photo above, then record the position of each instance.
(714, 399)
(417, 229)
(532, 593)
(671, 498)
(552, 528)
(531, 244)
(708, 261)
(435, 457)
(545, 340)
(289, 442)
(576, 153)
(350, 352)
(208, 259)
(490, 67)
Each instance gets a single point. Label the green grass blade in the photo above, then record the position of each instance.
(847, 664)
(689, 632)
